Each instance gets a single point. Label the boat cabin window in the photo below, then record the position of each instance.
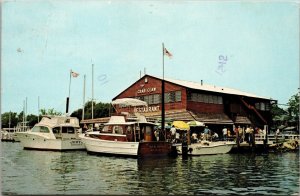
(129, 130)
(107, 129)
(118, 129)
(56, 130)
(148, 130)
(40, 129)
(69, 130)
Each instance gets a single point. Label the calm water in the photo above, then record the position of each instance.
(40, 172)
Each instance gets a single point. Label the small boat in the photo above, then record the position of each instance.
(7, 134)
(126, 135)
(123, 137)
(207, 148)
(53, 133)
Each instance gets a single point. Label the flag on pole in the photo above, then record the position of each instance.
(167, 53)
(74, 74)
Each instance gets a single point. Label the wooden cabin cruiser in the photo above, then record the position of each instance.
(53, 133)
(126, 136)
(207, 148)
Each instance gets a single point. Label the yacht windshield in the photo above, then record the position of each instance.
(40, 129)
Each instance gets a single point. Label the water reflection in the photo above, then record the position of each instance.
(39, 172)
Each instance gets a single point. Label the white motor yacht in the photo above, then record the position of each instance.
(53, 133)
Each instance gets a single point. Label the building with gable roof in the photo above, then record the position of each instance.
(185, 100)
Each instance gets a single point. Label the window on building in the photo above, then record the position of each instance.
(205, 98)
(189, 96)
(257, 106)
(220, 100)
(172, 97)
(210, 99)
(151, 99)
(146, 99)
(200, 98)
(157, 98)
(178, 96)
(194, 97)
(167, 97)
(262, 106)
(215, 99)
(267, 106)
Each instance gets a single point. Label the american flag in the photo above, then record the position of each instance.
(74, 74)
(167, 53)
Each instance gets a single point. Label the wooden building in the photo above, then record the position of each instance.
(184, 100)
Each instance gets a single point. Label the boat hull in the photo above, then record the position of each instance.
(124, 148)
(31, 141)
(157, 148)
(94, 145)
(210, 148)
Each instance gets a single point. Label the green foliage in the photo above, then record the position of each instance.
(50, 112)
(277, 111)
(293, 107)
(288, 116)
(100, 110)
(32, 119)
(13, 119)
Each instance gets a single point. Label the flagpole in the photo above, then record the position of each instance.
(68, 98)
(38, 108)
(26, 111)
(163, 94)
(83, 97)
(70, 83)
(92, 91)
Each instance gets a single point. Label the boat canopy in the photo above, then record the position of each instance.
(129, 102)
(118, 120)
(53, 121)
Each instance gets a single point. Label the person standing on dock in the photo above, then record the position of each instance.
(173, 133)
(236, 132)
(247, 134)
(206, 132)
(224, 130)
(276, 135)
(240, 130)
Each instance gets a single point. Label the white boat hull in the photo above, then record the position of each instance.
(210, 148)
(32, 141)
(110, 147)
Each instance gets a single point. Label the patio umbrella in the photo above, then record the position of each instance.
(129, 102)
(195, 123)
(180, 125)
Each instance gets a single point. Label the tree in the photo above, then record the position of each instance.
(50, 112)
(32, 119)
(13, 119)
(100, 110)
(293, 108)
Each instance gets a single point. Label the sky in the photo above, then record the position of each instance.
(250, 46)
